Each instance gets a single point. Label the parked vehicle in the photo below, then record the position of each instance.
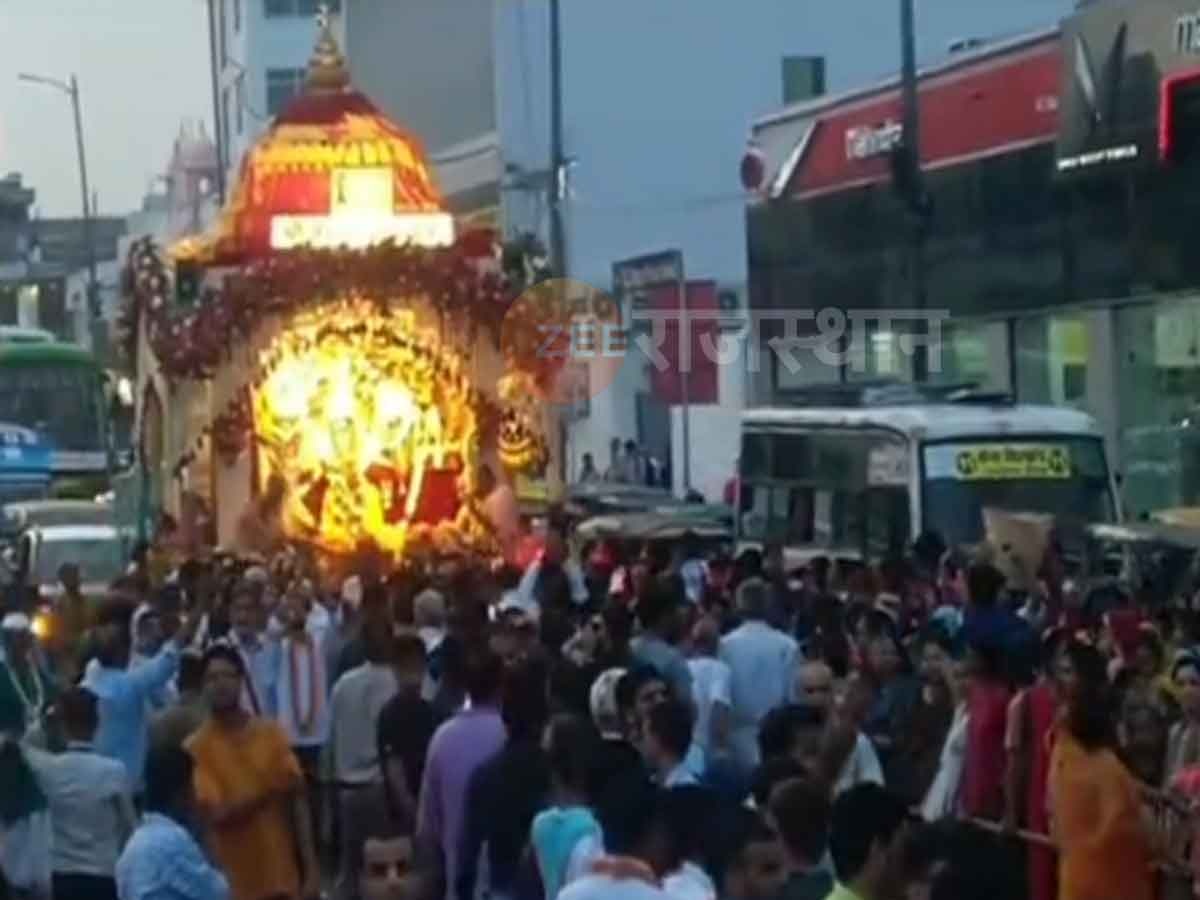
(17, 517)
(97, 549)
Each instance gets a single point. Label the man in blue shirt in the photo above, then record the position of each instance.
(122, 693)
(162, 861)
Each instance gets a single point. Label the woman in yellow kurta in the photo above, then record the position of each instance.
(1095, 803)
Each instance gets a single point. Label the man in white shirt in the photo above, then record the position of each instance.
(762, 660)
(302, 698)
(91, 806)
(358, 698)
(693, 570)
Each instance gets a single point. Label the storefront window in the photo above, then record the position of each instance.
(799, 367)
(876, 352)
(1159, 382)
(974, 353)
(1052, 360)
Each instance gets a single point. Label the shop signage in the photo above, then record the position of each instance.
(637, 278)
(632, 276)
(1098, 90)
(869, 141)
(1119, 59)
(1187, 33)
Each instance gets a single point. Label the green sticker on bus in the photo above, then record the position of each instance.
(1010, 462)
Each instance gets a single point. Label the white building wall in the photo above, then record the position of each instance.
(715, 431)
(245, 53)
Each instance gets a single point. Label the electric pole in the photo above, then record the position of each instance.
(911, 186)
(556, 190)
(557, 187)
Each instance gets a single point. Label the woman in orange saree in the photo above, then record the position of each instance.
(1104, 845)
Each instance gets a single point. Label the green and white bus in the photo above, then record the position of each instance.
(58, 390)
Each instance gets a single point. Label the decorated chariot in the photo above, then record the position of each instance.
(335, 346)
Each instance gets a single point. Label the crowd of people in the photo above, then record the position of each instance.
(616, 724)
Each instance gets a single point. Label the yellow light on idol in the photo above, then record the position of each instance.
(370, 422)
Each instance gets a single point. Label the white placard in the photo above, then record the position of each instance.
(887, 466)
(358, 230)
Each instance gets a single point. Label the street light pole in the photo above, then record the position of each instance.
(71, 89)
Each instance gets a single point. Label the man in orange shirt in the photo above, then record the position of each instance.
(250, 793)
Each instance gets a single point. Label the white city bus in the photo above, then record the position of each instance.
(861, 472)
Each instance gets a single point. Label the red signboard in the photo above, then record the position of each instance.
(981, 108)
(664, 371)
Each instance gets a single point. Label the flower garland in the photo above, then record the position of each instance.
(32, 710)
(464, 282)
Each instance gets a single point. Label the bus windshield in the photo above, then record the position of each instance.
(62, 402)
(1066, 477)
(828, 488)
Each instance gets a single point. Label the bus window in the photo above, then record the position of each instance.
(790, 457)
(63, 403)
(888, 522)
(755, 461)
(824, 488)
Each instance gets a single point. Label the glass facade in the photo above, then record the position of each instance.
(1158, 353)
(1052, 360)
(1084, 291)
